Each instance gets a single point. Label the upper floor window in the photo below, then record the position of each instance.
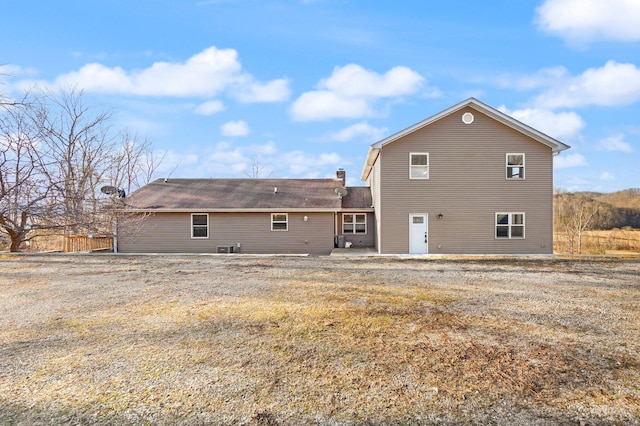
(419, 165)
(354, 223)
(199, 225)
(515, 166)
(509, 225)
(279, 221)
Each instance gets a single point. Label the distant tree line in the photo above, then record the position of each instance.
(576, 213)
(56, 152)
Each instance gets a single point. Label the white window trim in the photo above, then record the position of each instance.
(286, 222)
(411, 154)
(192, 226)
(509, 225)
(506, 166)
(354, 223)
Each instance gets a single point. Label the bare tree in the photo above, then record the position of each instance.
(574, 214)
(133, 162)
(5, 101)
(77, 144)
(25, 191)
(132, 165)
(258, 171)
(55, 155)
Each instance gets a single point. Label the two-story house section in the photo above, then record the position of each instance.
(467, 180)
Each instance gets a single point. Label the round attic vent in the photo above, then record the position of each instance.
(467, 118)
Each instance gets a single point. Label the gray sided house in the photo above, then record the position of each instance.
(246, 216)
(468, 180)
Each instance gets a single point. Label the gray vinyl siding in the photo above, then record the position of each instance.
(360, 240)
(374, 183)
(171, 233)
(467, 184)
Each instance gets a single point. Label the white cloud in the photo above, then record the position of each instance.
(354, 81)
(329, 159)
(229, 159)
(359, 130)
(209, 108)
(235, 128)
(571, 160)
(579, 21)
(615, 143)
(352, 91)
(306, 165)
(206, 74)
(273, 91)
(224, 160)
(613, 84)
(575, 183)
(607, 176)
(323, 105)
(170, 161)
(8, 70)
(544, 78)
(560, 125)
(267, 149)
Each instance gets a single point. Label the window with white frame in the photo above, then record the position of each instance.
(509, 225)
(354, 223)
(279, 221)
(199, 225)
(515, 166)
(419, 165)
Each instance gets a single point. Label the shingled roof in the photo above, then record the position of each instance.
(358, 197)
(245, 195)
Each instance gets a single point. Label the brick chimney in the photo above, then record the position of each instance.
(341, 175)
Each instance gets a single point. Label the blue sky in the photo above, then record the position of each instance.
(304, 87)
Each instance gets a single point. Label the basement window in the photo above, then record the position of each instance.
(199, 225)
(279, 221)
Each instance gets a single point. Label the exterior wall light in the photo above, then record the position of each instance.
(306, 218)
(440, 216)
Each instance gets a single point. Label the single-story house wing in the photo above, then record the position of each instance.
(247, 216)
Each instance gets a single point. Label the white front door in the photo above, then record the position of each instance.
(418, 233)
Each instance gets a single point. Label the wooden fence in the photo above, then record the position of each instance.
(600, 242)
(83, 243)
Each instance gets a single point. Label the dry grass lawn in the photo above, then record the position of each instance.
(613, 241)
(103, 339)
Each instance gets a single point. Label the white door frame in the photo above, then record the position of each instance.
(419, 244)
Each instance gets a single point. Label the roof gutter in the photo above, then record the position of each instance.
(260, 210)
(372, 156)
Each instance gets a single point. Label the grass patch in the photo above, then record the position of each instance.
(407, 342)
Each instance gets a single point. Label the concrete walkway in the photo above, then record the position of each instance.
(354, 251)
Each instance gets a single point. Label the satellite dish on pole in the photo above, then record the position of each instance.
(109, 190)
(341, 192)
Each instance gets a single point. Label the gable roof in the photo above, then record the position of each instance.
(374, 150)
(177, 195)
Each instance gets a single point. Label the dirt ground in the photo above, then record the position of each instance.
(118, 339)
